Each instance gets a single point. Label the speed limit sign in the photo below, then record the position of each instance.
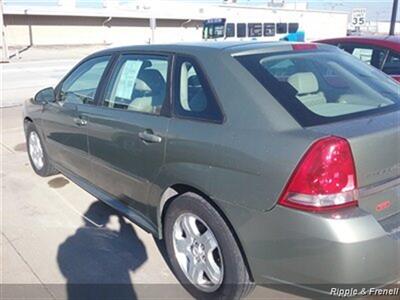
(358, 17)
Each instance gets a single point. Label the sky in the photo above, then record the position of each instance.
(376, 9)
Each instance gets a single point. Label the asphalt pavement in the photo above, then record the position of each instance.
(23, 79)
(54, 233)
(37, 68)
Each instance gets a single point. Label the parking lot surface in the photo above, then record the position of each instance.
(56, 237)
(37, 68)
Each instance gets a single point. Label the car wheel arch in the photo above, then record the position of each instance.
(26, 121)
(177, 190)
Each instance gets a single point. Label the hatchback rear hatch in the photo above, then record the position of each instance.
(334, 94)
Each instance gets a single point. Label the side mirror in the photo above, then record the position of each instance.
(44, 96)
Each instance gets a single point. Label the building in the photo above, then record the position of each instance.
(146, 22)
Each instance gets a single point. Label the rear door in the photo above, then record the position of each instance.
(64, 123)
(127, 130)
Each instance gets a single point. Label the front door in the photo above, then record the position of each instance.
(127, 131)
(64, 123)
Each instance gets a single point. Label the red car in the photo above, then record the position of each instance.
(383, 52)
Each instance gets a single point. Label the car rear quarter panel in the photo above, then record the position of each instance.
(244, 161)
(288, 246)
(252, 167)
(258, 145)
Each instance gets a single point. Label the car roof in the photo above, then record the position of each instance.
(190, 48)
(388, 41)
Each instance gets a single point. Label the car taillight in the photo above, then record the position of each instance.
(325, 178)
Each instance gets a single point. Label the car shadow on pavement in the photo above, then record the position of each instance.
(96, 260)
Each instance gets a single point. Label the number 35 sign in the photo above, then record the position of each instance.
(358, 16)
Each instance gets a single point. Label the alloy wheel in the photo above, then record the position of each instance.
(197, 252)
(35, 150)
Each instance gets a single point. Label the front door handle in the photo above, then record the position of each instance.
(80, 121)
(149, 137)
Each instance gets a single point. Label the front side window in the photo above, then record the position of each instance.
(392, 64)
(193, 97)
(138, 84)
(319, 87)
(81, 85)
(241, 30)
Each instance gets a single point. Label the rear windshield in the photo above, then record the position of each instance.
(318, 87)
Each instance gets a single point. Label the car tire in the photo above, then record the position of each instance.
(192, 211)
(37, 154)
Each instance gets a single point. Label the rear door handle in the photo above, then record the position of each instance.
(149, 137)
(80, 121)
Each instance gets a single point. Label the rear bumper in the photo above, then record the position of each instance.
(320, 252)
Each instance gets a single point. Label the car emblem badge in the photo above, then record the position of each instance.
(383, 205)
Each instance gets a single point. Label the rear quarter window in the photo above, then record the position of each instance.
(193, 95)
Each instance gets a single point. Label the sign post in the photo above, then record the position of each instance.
(358, 18)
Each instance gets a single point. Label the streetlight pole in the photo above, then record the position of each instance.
(4, 49)
(394, 15)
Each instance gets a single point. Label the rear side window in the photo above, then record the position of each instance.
(193, 96)
(392, 64)
(319, 87)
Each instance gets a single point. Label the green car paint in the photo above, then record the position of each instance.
(241, 162)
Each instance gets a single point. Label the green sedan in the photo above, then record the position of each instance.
(254, 163)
